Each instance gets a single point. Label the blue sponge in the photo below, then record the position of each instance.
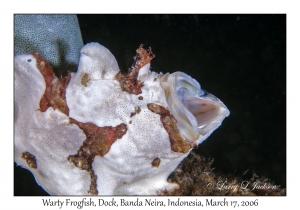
(56, 37)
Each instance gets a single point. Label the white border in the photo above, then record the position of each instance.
(154, 6)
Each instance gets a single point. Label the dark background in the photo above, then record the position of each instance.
(241, 59)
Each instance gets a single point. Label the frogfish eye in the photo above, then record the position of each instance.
(180, 93)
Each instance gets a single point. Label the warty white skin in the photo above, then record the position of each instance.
(126, 169)
(47, 135)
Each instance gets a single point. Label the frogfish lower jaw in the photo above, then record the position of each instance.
(208, 111)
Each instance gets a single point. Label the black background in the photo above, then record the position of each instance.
(241, 59)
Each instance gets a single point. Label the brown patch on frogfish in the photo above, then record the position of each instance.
(128, 81)
(30, 159)
(55, 93)
(137, 110)
(98, 142)
(156, 162)
(178, 144)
